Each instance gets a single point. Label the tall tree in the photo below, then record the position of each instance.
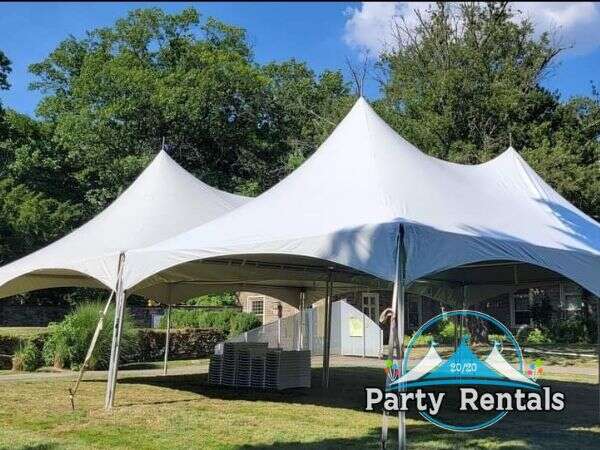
(115, 94)
(110, 98)
(5, 69)
(465, 82)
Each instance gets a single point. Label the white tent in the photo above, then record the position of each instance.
(364, 187)
(164, 200)
(369, 202)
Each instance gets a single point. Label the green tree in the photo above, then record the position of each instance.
(36, 200)
(111, 96)
(115, 94)
(465, 81)
(5, 69)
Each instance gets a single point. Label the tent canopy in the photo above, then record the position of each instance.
(163, 201)
(364, 188)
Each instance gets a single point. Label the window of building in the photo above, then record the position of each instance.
(522, 307)
(570, 304)
(257, 307)
(413, 312)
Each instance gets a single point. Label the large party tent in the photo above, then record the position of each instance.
(370, 203)
(364, 188)
(163, 201)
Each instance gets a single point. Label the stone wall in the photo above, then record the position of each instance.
(15, 315)
(183, 344)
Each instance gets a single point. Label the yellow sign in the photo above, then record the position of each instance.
(356, 327)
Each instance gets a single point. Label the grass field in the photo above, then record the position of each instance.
(182, 412)
(21, 331)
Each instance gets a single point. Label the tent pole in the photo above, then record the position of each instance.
(598, 342)
(362, 310)
(167, 339)
(327, 337)
(88, 356)
(394, 344)
(329, 325)
(326, 311)
(115, 347)
(400, 321)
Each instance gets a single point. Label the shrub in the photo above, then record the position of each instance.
(68, 341)
(424, 339)
(496, 338)
(27, 358)
(229, 321)
(538, 336)
(225, 299)
(243, 322)
(445, 334)
(572, 330)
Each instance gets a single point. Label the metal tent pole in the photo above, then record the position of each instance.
(401, 414)
(88, 356)
(396, 337)
(327, 334)
(362, 310)
(598, 349)
(167, 339)
(115, 347)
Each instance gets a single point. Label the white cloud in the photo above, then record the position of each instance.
(577, 23)
(370, 27)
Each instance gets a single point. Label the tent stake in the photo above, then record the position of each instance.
(88, 356)
(167, 340)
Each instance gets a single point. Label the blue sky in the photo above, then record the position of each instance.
(322, 34)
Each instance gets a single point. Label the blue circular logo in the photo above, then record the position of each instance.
(463, 367)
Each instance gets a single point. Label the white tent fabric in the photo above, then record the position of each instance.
(365, 185)
(164, 200)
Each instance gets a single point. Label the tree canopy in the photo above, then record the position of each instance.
(464, 83)
(112, 96)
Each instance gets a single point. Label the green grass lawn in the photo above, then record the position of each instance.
(182, 412)
(21, 331)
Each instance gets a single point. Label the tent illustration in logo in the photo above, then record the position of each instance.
(463, 368)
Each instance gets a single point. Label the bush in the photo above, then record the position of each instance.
(28, 358)
(423, 340)
(68, 341)
(573, 330)
(225, 299)
(496, 338)
(229, 321)
(445, 333)
(243, 322)
(538, 336)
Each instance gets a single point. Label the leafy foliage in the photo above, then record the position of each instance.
(27, 358)
(228, 321)
(225, 299)
(538, 336)
(465, 81)
(110, 98)
(67, 342)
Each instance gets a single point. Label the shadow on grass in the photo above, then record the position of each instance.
(570, 428)
(32, 447)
